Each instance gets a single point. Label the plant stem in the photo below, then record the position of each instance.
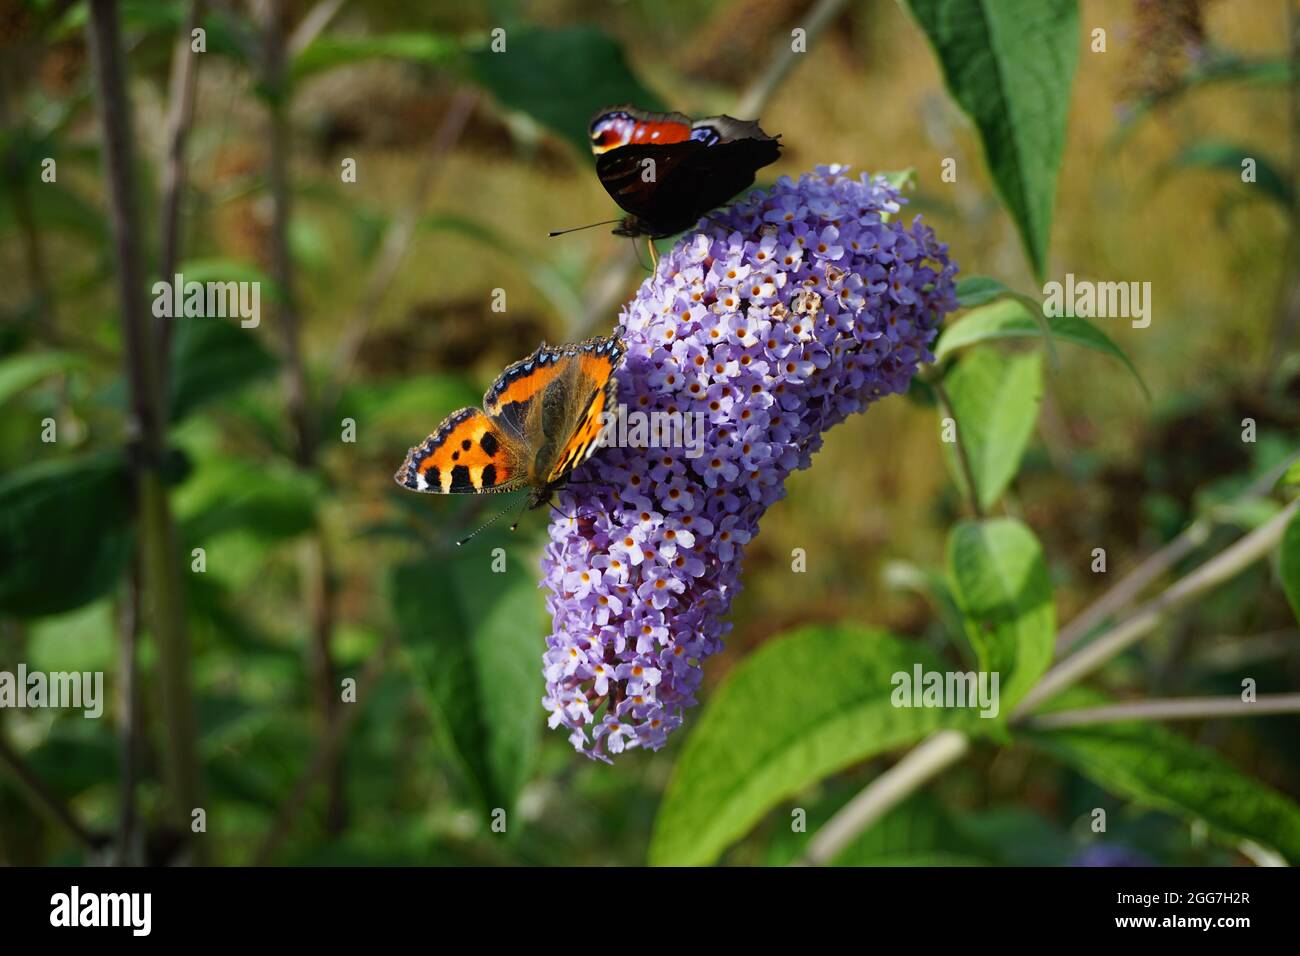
(1227, 564)
(325, 757)
(963, 459)
(397, 240)
(180, 115)
(158, 555)
(43, 798)
(1137, 580)
(1182, 708)
(934, 754)
(784, 58)
(128, 720)
(315, 568)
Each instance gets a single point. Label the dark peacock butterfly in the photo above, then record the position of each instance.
(666, 170)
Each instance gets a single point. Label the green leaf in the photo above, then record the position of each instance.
(478, 637)
(1228, 157)
(212, 358)
(1010, 64)
(329, 51)
(977, 290)
(65, 533)
(25, 369)
(1289, 562)
(799, 709)
(1012, 319)
(1001, 585)
(561, 78)
(228, 494)
(1159, 768)
(995, 401)
(1289, 481)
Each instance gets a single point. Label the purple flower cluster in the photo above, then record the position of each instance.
(781, 316)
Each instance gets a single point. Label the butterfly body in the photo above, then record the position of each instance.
(540, 420)
(666, 170)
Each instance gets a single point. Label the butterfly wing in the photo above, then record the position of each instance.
(589, 390)
(468, 454)
(695, 168)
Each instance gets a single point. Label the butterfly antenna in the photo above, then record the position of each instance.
(589, 514)
(590, 225)
(484, 526)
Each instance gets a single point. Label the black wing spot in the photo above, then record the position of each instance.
(433, 478)
(466, 444)
(460, 480)
(489, 444)
(489, 477)
(455, 456)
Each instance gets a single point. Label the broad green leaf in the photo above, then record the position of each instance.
(211, 358)
(995, 401)
(561, 78)
(65, 533)
(799, 709)
(25, 369)
(478, 637)
(229, 494)
(1010, 64)
(1289, 562)
(1000, 583)
(329, 51)
(1012, 319)
(977, 290)
(1163, 769)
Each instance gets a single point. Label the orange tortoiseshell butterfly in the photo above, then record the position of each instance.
(539, 421)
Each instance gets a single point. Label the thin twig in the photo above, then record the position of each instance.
(316, 572)
(963, 457)
(1126, 590)
(128, 718)
(1174, 708)
(1227, 564)
(397, 239)
(313, 25)
(784, 58)
(934, 754)
(180, 116)
(43, 798)
(325, 755)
